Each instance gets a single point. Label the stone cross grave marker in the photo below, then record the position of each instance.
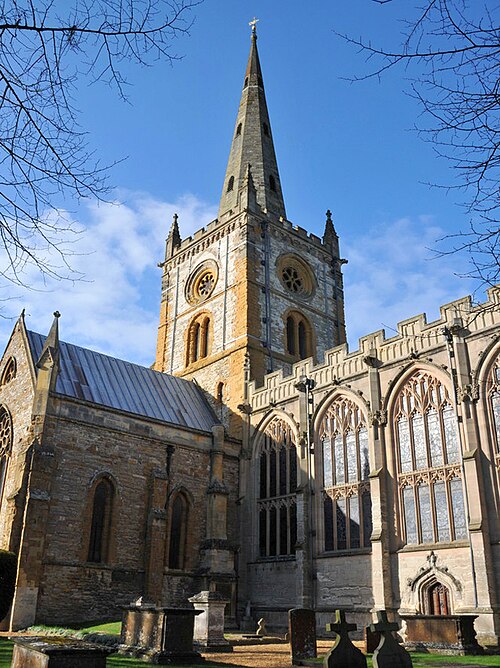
(302, 634)
(261, 627)
(343, 653)
(389, 653)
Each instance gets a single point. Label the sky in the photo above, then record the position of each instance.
(348, 147)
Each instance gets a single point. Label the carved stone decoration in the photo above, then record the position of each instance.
(414, 595)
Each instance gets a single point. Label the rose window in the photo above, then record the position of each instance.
(292, 279)
(201, 283)
(206, 284)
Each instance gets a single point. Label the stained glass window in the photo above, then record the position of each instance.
(346, 491)
(5, 445)
(494, 397)
(429, 474)
(277, 491)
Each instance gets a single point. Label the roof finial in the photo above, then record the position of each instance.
(254, 26)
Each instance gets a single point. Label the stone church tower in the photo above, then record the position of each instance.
(250, 293)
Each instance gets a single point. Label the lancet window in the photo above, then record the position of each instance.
(429, 462)
(298, 336)
(198, 340)
(9, 373)
(5, 445)
(178, 532)
(494, 406)
(277, 484)
(346, 491)
(100, 528)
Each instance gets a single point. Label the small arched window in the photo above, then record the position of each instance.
(230, 184)
(198, 340)
(265, 127)
(428, 457)
(246, 82)
(5, 445)
(219, 391)
(272, 183)
(299, 342)
(100, 528)
(238, 130)
(346, 491)
(9, 372)
(277, 501)
(437, 600)
(178, 533)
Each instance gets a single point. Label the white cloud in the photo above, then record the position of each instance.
(114, 308)
(393, 274)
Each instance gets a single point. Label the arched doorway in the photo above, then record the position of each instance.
(438, 599)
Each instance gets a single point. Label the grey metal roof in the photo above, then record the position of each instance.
(108, 381)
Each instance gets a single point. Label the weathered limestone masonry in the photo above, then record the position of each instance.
(231, 277)
(63, 448)
(396, 571)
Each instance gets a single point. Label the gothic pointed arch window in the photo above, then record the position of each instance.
(346, 490)
(9, 372)
(493, 385)
(298, 336)
(5, 445)
(198, 339)
(429, 462)
(178, 532)
(101, 522)
(277, 485)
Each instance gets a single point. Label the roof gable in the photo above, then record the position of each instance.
(108, 381)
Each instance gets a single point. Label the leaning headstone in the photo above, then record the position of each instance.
(389, 653)
(209, 625)
(343, 653)
(302, 634)
(261, 628)
(55, 652)
(247, 624)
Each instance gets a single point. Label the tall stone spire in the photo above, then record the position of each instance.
(253, 145)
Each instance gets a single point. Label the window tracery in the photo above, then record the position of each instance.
(277, 484)
(9, 372)
(5, 445)
(494, 407)
(346, 490)
(428, 456)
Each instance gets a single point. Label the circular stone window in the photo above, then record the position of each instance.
(296, 275)
(202, 282)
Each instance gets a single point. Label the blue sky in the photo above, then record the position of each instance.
(347, 147)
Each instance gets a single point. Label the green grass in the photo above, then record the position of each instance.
(437, 660)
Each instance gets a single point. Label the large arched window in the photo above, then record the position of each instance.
(198, 339)
(428, 457)
(100, 528)
(494, 407)
(346, 491)
(5, 445)
(178, 533)
(9, 372)
(277, 491)
(298, 336)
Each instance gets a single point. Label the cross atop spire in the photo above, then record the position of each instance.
(254, 25)
(253, 144)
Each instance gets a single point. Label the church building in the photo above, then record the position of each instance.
(258, 457)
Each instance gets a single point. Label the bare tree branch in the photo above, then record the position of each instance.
(46, 48)
(451, 51)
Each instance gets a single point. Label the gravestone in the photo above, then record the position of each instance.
(302, 634)
(209, 625)
(55, 652)
(343, 653)
(261, 628)
(159, 635)
(442, 634)
(389, 653)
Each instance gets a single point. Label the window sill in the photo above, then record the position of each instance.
(345, 553)
(425, 547)
(274, 559)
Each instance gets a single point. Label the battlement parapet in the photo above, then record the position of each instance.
(415, 337)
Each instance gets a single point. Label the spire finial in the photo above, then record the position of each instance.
(328, 215)
(253, 24)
